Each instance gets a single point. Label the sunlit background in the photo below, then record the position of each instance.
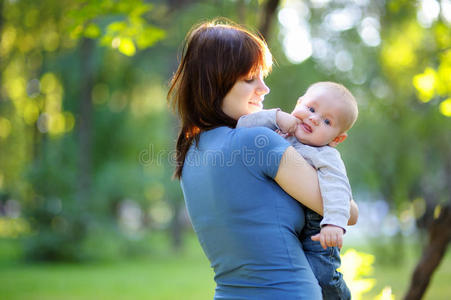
(88, 209)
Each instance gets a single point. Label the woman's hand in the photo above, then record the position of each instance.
(354, 213)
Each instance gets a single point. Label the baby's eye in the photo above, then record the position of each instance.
(327, 121)
(311, 109)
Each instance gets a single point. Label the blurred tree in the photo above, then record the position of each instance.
(267, 17)
(425, 45)
(85, 120)
(40, 102)
(421, 143)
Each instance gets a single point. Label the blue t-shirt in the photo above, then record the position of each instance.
(246, 224)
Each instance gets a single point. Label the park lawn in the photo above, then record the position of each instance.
(165, 275)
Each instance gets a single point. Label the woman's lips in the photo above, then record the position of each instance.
(258, 104)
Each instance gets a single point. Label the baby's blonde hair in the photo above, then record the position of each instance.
(342, 94)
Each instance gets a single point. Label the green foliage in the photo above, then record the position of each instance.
(118, 24)
(39, 153)
(58, 238)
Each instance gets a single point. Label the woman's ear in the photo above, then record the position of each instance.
(337, 140)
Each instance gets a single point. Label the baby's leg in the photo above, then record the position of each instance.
(324, 262)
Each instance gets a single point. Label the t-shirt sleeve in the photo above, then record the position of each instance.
(260, 150)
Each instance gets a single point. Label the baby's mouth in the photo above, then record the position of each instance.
(306, 127)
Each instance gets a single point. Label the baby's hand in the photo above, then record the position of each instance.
(286, 122)
(284, 135)
(301, 112)
(330, 236)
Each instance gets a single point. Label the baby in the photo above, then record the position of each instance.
(318, 123)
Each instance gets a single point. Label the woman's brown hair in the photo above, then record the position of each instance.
(215, 55)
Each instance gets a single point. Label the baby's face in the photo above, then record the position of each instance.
(321, 117)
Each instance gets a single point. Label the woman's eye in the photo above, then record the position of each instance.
(249, 80)
(311, 109)
(327, 122)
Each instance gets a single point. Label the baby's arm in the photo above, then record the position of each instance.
(264, 118)
(336, 194)
(273, 119)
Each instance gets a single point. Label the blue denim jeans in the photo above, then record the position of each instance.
(324, 262)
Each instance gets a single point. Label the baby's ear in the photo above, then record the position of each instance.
(340, 138)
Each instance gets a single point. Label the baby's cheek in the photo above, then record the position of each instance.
(298, 134)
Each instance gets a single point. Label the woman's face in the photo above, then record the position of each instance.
(245, 97)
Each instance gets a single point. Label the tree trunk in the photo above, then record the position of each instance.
(241, 11)
(175, 5)
(267, 17)
(85, 121)
(177, 226)
(433, 252)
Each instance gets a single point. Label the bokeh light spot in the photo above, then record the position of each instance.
(425, 84)
(127, 47)
(51, 41)
(445, 107)
(5, 128)
(31, 112)
(428, 12)
(69, 121)
(48, 82)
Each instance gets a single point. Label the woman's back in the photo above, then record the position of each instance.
(246, 224)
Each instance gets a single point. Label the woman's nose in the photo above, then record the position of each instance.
(262, 88)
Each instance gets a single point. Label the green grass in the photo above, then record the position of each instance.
(165, 275)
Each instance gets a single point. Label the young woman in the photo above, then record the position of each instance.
(237, 182)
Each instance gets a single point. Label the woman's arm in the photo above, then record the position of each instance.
(354, 213)
(300, 180)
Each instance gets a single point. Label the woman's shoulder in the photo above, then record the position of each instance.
(251, 132)
(258, 137)
(255, 138)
